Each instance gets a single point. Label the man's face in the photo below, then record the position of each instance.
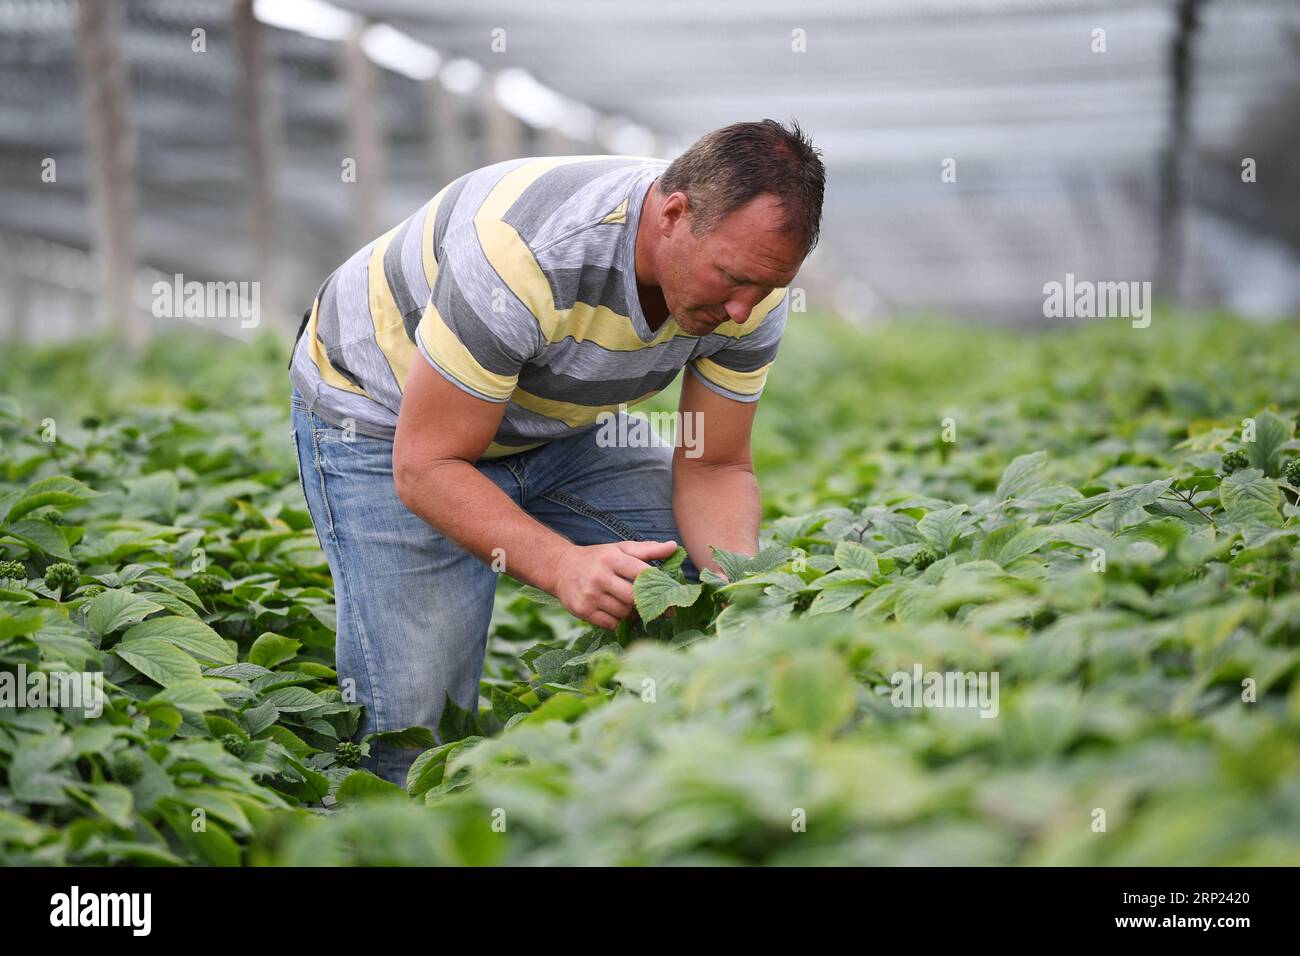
(721, 276)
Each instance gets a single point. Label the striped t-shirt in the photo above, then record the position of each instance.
(517, 282)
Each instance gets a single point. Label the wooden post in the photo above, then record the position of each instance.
(559, 143)
(449, 155)
(1174, 158)
(504, 131)
(364, 114)
(110, 143)
(18, 306)
(258, 122)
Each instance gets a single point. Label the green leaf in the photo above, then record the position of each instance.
(164, 719)
(1271, 435)
(427, 771)
(709, 576)
(362, 785)
(259, 718)
(549, 663)
(114, 609)
(152, 496)
(506, 705)
(26, 621)
(851, 556)
(191, 695)
(772, 556)
(456, 723)
(944, 527)
(111, 801)
(835, 599)
(210, 842)
(188, 634)
(218, 803)
(159, 660)
(40, 534)
(564, 705)
(732, 563)
(812, 691)
(290, 741)
(32, 774)
(292, 700)
(655, 592)
(1121, 500)
(1020, 475)
(1006, 544)
(272, 649)
(409, 738)
(1251, 499)
(538, 596)
(673, 563)
(58, 490)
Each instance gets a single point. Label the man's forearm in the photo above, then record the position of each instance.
(715, 505)
(465, 505)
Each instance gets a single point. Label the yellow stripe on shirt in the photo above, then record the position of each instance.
(742, 383)
(328, 373)
(575, 416)
(427, 258)
(442, 343)
(390, 329)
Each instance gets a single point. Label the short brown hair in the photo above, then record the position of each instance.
(726, 169)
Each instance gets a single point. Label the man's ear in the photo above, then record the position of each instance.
(676, 209)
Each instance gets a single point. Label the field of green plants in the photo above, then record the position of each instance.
(1102, 517)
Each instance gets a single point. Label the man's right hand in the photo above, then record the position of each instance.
(594, 582)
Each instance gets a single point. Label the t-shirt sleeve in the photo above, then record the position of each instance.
(474, 330)
(739, 369)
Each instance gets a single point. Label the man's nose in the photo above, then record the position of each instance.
(739, 310)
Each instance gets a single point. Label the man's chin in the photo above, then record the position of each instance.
(695, 326)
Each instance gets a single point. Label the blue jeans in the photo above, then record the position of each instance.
(413, 607)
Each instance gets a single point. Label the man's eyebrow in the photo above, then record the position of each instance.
(740, 278)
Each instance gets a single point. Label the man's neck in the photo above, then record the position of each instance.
(653, 306)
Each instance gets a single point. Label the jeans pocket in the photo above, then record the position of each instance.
(297, 457)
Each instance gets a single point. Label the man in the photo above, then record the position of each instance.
(450, 377)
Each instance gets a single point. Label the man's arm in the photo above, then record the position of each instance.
(441, 431)
(715, 495)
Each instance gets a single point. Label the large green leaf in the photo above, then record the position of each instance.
(655, 592)
(292, 700)
(1010, 542)
(114, 609)
(59, 490)
(189, 634)
(851, 556)
(110, 800)
(812, 692)
(159, 660)
(506, 705)
(152, 496)
(44, 537)
(34, 776)
(270, 650)
(1271, 435)
(732, 563)
(363, 785)
(1120, 503)
(426, 772)
(944, 527)
(1020, 475)
(456, 723)
(835, 599)
(1251, 499)
(192, 695)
